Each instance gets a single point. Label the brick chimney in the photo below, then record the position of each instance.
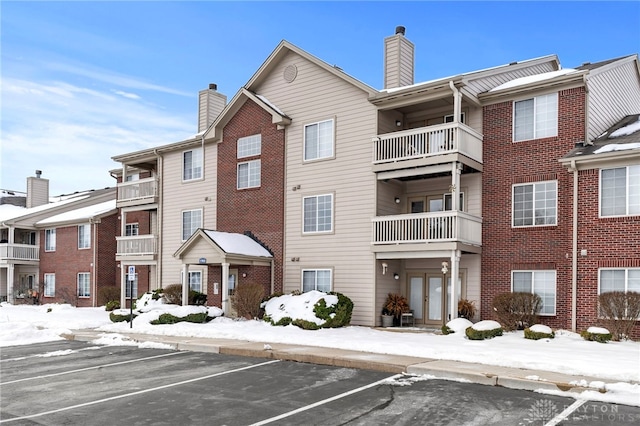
(210, 105)
(398, 60)
(37, 190)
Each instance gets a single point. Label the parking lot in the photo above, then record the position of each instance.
(72, 382)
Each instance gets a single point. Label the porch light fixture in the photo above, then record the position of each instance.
(397, 200)
(384, 268)
(396, 276)
(398, 123)
(445, 268)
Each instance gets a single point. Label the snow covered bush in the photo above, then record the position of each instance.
(538, 331)
(516, 311)
(457, 325)
(310, 310)
(596, 334)
(482, 330)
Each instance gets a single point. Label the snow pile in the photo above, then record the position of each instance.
(459, 325)
(298, 306)
(486, 325)
(540, 328)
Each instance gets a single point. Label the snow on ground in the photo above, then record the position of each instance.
(567, 353)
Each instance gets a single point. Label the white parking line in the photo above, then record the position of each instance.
(31, 416)
(90, 368)
(54, 353)
(567, 411)
(324, 401)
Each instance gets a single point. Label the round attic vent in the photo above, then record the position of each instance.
(290, 72)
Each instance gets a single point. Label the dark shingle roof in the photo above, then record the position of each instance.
(606, 139)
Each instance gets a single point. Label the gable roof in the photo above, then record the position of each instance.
(226, 247)
(81, 215)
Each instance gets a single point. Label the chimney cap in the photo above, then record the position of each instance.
(213, 86)
(400, 30)
(38, 173)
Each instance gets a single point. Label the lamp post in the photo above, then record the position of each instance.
(445, 269)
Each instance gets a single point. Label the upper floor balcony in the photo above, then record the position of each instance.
(427, 146)
(426, 231)
(137, 247)
(16, 253)
(137, 192)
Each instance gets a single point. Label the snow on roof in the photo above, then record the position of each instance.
(266, 101)
(626, 130)
(7, 214)
(237, 244)
(522, 81)
(617, 147)
(9, 211)
(81, 214)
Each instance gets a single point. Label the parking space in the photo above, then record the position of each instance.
(78, 383)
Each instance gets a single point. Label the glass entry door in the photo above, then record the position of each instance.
(429, 303)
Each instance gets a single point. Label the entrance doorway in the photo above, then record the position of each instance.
(429, 303)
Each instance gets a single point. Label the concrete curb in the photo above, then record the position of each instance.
(509, 377)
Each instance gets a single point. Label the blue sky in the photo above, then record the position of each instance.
(84, 81)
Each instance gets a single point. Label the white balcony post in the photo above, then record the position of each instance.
(123, 286)
(455, 272)
(10, 276)
(225, 289)
(185, 284)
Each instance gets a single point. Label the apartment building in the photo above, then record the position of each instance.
(310, 179)
(57, 249)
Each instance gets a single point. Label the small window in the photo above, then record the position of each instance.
(195, 281)
(316, 279)
(535, 118)
(535, 204)
(249, 174)
(620, 191)
(318, 213)
(192, 164)
(49, 285)
(449, 118)
(132, 177)
(84, 236)
(318, 140)
(131, 229)
(542, 283)
(50, 240)
(619, 279)
(249, 146)
(191, 221)
(83, 285)
(129, 286)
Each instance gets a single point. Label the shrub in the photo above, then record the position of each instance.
(595, 334)
(284, 321)
(466, 309)
(120, 317)
(619, 312)
(446, 330)
(247, 299)
(111, 305)
(108, 294)
(168, 318)
(173, 294)
(304, 324)
(516, 311)
(395, 305)
(534, 333)
(473, 334)
(338, 315)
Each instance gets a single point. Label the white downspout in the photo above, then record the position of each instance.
(574, 254)
(93, 272)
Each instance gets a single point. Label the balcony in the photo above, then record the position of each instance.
(16, 253)
(427, 230)
(137, 247)
(427, 146)
(137, 192)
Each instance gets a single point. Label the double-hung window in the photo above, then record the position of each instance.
(535, 118)
(316, 279)
(191, 221)
(535, 204)
(192, 164)
(318, 140)
(49, 285)
(50, 240)
(83, 285)
(131, 229)
(195, 281)
(318, 213)
(249, 171)
(620, 191)
(542, 283)
(84, 236)
(619, 279)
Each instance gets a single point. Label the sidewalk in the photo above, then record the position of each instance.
(514, 378)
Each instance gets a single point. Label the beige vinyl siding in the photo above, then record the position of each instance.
(484, 84)
(470, 185)
(179, 196)
(613, 94)
(316, 95)
(398, 62)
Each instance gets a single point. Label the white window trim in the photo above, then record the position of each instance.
(134, 225)
(533, 290)
(88, 274)
(182, 167)
(201, 278)
(52, 285)
(627, 214)
(626, 277)
(50, 233)
(316, 270)
(249, 163)
(88, 227)
(249, 140)
(333, 141)
(513, 204)
(182, 222)
(535, 130)
(333, 218)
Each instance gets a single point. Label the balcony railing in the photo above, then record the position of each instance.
(138, 245)
(427, 142)
(455, 226)
(24, 252)
(141, 191)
